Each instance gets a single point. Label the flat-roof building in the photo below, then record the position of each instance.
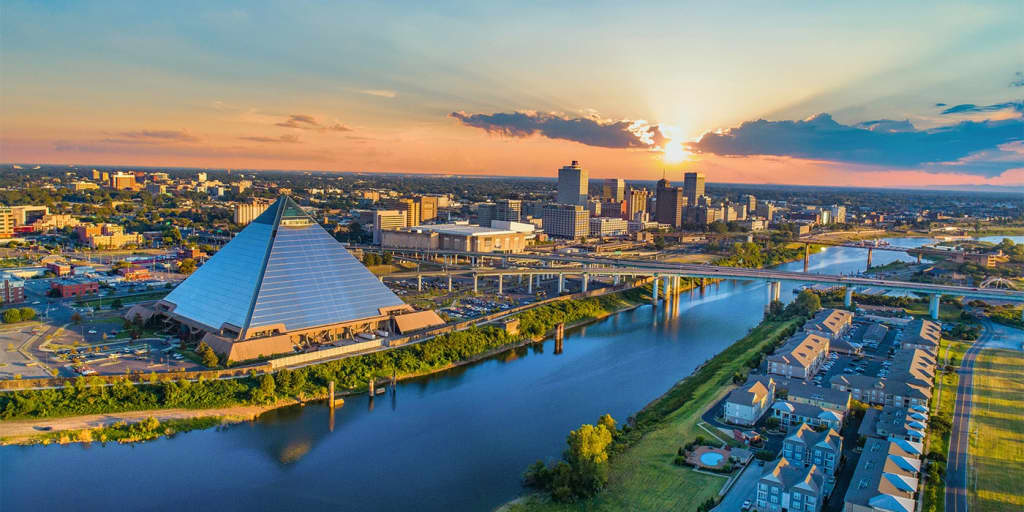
(566, 221)
(455, 237)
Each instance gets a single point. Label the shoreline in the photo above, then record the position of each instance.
(33, 431)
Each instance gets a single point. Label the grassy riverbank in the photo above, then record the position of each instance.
(88, 395)
(641, 473)
(124, 432)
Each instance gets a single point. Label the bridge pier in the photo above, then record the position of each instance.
(500, 283)
(933, 306)
(776, 290)
(419, 282)
(449, 282)
(919, 258)
(616, 280)
(529, 284)
(476, 283)
(586, 281)
(654, 291)
(848, 297)
(869, 258)
(561, 283)
(807, 256)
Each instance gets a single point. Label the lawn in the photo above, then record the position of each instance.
(643, 477)
(997, 432)
(125, 299)
(950, 352)
(947, 312)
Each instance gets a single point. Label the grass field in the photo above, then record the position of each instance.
(947, 312)
(643, 477)
(125, 299)
(942, 405)
(997, 432)
(690, 258)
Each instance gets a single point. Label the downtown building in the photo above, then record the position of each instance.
(282, 283)
(573, 184)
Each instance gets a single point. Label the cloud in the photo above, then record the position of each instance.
(940, 104)
(822, 138)
(1018, 80)
(887, 125)
(159, 136)
(966, 108)
(286, 139)
(383, 93)
(308, 122)
(592, 131)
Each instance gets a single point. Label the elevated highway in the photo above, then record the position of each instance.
(669, 273)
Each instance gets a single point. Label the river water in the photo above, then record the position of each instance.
(453, 441)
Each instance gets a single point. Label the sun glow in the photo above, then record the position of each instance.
(674, 152)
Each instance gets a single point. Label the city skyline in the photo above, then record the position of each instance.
(927, 96)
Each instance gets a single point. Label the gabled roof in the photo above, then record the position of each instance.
(283, 270)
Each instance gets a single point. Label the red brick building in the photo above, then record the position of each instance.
(134, 273)
(60, 269)
(12, 290)
(75, 287)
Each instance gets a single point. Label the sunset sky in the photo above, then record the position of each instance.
(849, 93)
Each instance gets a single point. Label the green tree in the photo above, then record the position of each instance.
(27, 314)
(589, 443)
(116, 304)
(187, 266)
(207, 355)
(76, 318)
(12, 316)
(608, 423)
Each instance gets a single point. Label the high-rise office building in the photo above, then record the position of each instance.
(122, 181)
(669, 204)
(566, 221)
(428, 208)
(508, 210)
(636, 202)
(413, 214)
(485, 213)
(613, 189)
(573, 184)
(693, 187)
(751, 203)
(838, 214)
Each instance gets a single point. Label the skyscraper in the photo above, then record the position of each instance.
(693, 187)
(751, 203)
(669, 204)
(614, 189)
(573, 184)
(637, 202)
(509, 210)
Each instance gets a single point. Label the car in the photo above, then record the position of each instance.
(92, 331)
(746, 506)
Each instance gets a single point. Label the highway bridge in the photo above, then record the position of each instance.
(668, 274)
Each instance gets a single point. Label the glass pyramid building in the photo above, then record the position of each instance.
(282, 274)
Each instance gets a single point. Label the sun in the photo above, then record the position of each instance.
(674, 153)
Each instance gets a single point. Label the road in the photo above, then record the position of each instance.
(959, 438)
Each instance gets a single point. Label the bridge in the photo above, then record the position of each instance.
(669, 275)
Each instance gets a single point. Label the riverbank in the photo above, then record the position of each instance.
(244, 399)
(642, 475)
(94, 427)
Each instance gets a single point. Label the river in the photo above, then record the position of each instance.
(457, 440)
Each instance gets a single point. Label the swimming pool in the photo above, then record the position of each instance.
(711, 459)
